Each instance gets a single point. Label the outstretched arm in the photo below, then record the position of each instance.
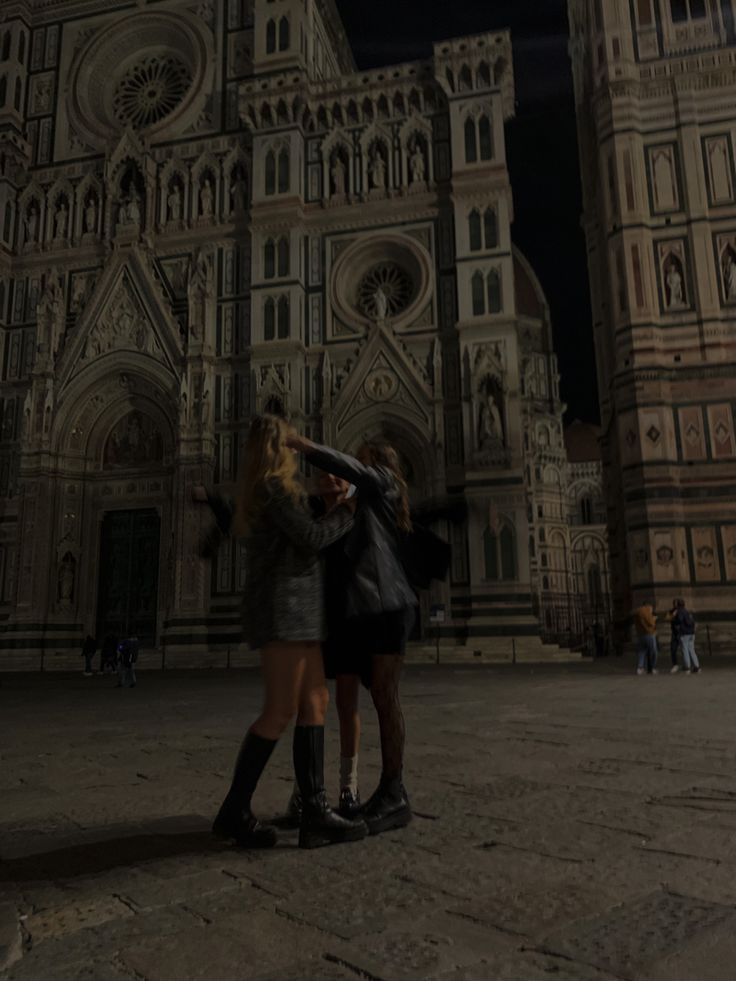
(342, 465)
(303, 530)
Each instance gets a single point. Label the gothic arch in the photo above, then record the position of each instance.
(405, 434)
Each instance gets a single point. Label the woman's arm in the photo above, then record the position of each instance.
(303, 530)
(222, 508)
(342, 465)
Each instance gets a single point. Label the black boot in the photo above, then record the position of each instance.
(320, 824)
(388, 808)
(235, 819)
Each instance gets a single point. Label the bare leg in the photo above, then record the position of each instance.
(283, 669)
(347, 691)
(386, 673)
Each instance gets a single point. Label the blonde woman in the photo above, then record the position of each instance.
(283, 616)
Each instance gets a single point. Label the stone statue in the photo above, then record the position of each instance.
(238, 196)
(31, 223)
(381, 301)
(378, 170)
(27, 411)
(338, 176)
(184, 401)
(490, 430)
(66, 581)
(61, 219)
(417, 165)
(674, 285)
(79, 292)
(730, 277)
(90, 215)
(133, 211)
(175, 208)
(205, 199)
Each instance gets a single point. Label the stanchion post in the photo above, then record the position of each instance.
(710, 645)
(513, 650)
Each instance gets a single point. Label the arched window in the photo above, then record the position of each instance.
(283, 256)
(490, 546)
(494, 292)
(271, 37)
(7, 219)
(586, 510)
(688, 10)
(16, 99)
(479, 299)
(269, 320)
(22, 47)
(500, 554)
(490, 228)
(269, 260)
(283, 170)
(486, 138)
(7, 38)
(476, 241)
(3, 90)
(270, 173)
(284, 34)
(283, 319)
(471, 141)
(544, 560)
(508, 553)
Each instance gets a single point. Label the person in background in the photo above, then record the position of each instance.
(645, 624)
(109, 655)
(686, 631)
(89, 648)
(675, 637)
(127, 656)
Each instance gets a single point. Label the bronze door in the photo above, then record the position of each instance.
(128, 575)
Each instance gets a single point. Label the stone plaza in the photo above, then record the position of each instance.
(571, 820)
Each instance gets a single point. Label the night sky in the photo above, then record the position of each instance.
(542, 143)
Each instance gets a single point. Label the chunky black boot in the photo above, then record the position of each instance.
(388, 808)
(349, 806)
(235, 819)
(320, 824)
(293, 816)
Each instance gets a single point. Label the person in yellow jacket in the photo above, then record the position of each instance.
(645, 624)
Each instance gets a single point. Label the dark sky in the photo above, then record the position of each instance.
(542, 145)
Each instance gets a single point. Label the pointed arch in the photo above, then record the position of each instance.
(283, 256)
(269, 319)
(478, 294)
(284, 34)
(284, 180)
(269, 259)
(474, 231)
(270, 173)
(493, 284)
(471, 141)
(284, 317)
(485, 138)
(271, 36)
(490, 228)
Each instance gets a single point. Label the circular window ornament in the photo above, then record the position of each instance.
(150, 91)
(385, 291)
(150, 71)
(381, 278)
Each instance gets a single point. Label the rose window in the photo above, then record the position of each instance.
(386, 290)
(151, 90)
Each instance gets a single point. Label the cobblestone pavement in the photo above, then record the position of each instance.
(574, 822)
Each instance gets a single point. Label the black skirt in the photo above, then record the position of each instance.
(352, 644)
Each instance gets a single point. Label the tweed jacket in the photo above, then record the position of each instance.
(284, 592)
(376, 582)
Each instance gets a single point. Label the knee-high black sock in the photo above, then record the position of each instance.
(252, 759)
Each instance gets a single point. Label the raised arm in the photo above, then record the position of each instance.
(347, 467)
(303, 530)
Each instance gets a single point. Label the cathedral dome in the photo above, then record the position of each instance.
(148, 72)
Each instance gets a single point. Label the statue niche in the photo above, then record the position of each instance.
(135, 440)
(491, 433)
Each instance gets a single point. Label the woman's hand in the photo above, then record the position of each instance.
(300, 444)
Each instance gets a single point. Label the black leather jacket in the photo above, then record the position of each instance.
(376, 582)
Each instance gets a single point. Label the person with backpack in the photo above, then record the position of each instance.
(686, 630)
(127, 656)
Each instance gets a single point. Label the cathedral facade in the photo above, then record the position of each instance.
(206, 212)
(655, 86)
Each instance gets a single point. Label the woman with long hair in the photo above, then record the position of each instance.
(283, 616)
(380, 608)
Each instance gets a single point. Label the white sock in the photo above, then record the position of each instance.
(349, 773)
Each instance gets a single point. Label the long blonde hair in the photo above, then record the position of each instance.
(267, 459)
